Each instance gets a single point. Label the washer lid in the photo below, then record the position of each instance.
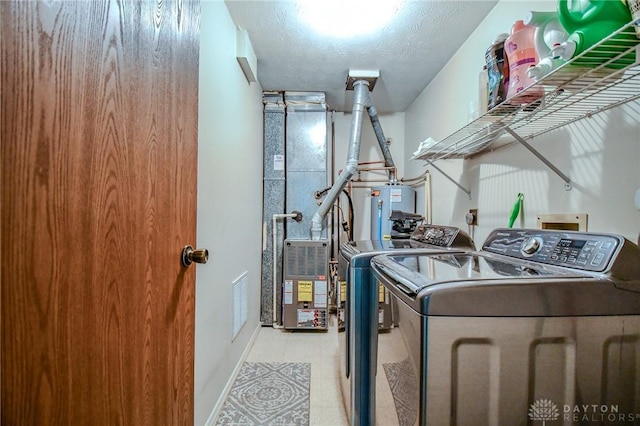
(486, 285)
(415, 272)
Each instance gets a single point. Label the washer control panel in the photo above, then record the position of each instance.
(579, 250)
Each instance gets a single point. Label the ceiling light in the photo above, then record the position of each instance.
(347, 18)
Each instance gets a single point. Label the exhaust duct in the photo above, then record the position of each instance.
(362, 83)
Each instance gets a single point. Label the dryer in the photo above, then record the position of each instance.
(537, 326)
(365, 308)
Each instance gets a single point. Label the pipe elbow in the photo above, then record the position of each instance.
(393, 180)
(351, 167)
(316, 226)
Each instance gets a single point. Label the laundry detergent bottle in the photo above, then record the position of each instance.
(521, 54)
(588, 22)
(497, 72)
(549, 33)
(634, 8)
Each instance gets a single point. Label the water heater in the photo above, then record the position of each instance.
(384, 199)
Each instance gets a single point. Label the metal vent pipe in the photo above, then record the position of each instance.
(360, 102)
(382, 141)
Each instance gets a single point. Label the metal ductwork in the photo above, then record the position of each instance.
(361, 101)
(382, 141)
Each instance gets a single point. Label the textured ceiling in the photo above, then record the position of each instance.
(408, 52)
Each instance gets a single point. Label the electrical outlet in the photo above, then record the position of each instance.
(471, 218)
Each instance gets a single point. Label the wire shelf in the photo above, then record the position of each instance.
(600, 78)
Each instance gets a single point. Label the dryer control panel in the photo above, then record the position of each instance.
(442, 236)
(578, 250)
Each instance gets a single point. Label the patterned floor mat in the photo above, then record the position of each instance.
(269, 393)
(404, 387)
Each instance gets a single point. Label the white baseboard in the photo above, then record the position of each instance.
(211, 421)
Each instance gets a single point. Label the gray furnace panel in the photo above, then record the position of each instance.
(306, 158)
(273, 201)
(305, 289)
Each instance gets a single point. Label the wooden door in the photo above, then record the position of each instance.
(99, 147)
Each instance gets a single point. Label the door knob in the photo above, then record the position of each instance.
(189, 255)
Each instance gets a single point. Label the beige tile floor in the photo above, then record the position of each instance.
(315, 347)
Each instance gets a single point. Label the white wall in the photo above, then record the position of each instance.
(393, 127)
(229, 206)
(601, 155)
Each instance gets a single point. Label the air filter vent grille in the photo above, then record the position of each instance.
(306, 259)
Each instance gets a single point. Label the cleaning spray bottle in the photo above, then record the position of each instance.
(588, 22)
(549, 33)
(521, 54)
